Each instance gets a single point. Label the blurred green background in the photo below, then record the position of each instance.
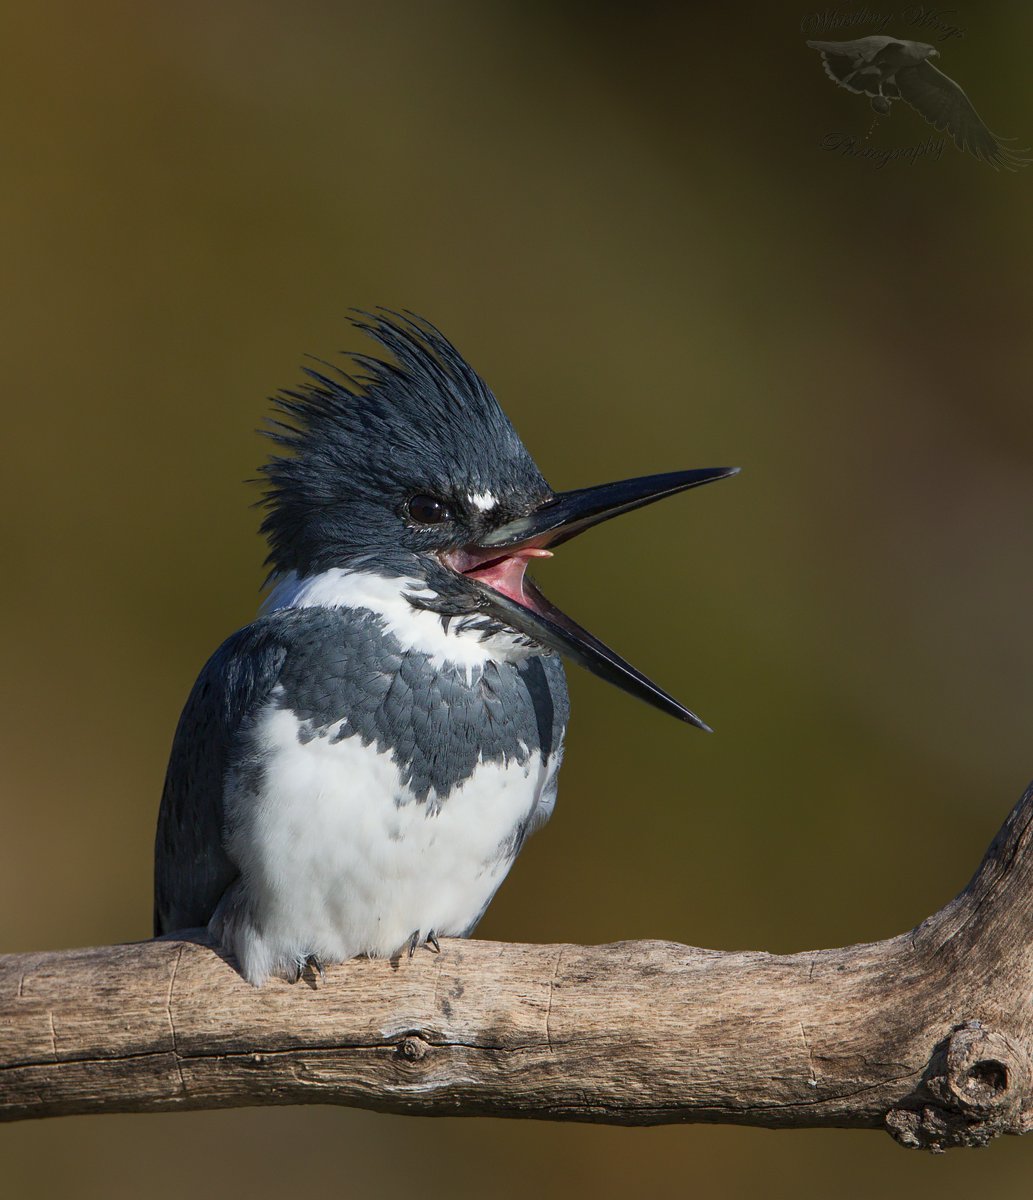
(625, 221)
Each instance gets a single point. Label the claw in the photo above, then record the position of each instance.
(414, 942)
(311, 962)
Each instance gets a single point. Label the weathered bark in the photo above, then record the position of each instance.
(927, 1034)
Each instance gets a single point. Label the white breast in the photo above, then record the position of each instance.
(338, 858)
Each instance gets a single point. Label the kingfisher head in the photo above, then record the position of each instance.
(410, 471)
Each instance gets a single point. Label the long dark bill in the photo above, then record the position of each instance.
(559, 519)
(547, 624)
(570, 513)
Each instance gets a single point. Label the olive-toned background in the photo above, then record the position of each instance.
(629, 227)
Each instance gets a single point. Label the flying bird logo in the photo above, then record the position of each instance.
(889, 68)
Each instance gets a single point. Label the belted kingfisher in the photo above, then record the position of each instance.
(355, 771)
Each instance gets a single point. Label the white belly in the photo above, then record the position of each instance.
(337, 857)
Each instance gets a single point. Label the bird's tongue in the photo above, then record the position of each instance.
(506, 574)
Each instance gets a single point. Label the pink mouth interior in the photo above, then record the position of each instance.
(503, 574)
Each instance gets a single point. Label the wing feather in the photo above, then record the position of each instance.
(191, 867)
(553, 709)
(853, 65)
(946, 107)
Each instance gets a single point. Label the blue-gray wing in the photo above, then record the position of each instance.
(191, 867)
(553, 708)
(556, 678)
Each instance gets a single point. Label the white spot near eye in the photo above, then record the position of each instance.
(483, 501)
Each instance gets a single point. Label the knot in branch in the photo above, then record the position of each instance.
(973, 1091)
(412, 1048)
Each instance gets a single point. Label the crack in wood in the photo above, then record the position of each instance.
(552, 990)
(813, 1081)
(172, 1023)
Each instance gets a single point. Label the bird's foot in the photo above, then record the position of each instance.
(431, 940)
(311, 962)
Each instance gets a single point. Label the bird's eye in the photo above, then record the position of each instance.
(426, 510)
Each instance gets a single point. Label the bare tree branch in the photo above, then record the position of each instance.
(927, 1034)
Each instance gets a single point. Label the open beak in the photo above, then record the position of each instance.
(498, 562)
